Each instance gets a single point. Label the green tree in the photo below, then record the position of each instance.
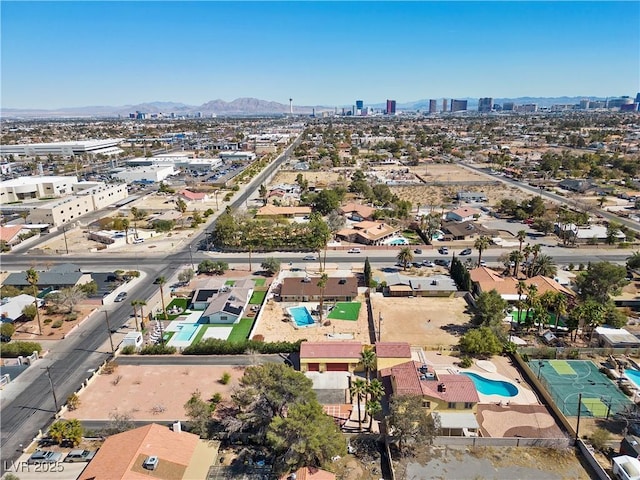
(429, 224)
(161, 281)
(67, 430)
(199, 414)
(262, 192)
(601, 280)
(542, 264)
(358, 389)
(186, 275)
(481, 341)
(490, 307)
(7, 329)
(369, 361)
(89, 288)
(367, 272)
(405, 257)
(326, 201)
(270, 265)
(633, 261)
(220, 267)
(481, 244)
(306, 436)
(125, 227)
(372, 408)
(29, 311)
(613, 229)
(410, 422)
(32, 279)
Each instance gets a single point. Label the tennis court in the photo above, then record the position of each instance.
(565, 380)
(345, 311)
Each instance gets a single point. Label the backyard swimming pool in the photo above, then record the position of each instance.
(634, 376)
(492, 387)
(186, 331)
(398, 241)
(301, 316)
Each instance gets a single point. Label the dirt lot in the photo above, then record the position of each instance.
(28, 331)
(419, 320)
(152, 392)
(312, 177)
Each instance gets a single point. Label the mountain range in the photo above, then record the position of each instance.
(246, 107)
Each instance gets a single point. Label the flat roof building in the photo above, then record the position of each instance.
(91, 147)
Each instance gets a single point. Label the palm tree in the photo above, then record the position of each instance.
(359, 390)
(141, 304)
(32, 279)
(322, 284)
(481, 244)
(405, 257)
(372, 408)
(375, 389)
(125, 226)
(368, 359)
(544, 265)
(521, 236)
(526, 253)
(546, 301)
(515, 257)
(531, 302)
(160, 281)
(535, 251)
(134, 304)
(520, 287)
(559, 306)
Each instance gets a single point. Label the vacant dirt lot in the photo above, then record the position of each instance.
(152, 392)
(419, 320)
(312, 177)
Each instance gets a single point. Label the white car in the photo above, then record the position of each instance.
(354, 250)
(310, 257)
(138, 240)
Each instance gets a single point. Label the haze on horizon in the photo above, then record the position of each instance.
(68, 54)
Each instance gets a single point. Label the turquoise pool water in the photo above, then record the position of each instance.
(301, 316)
(186, 331)
(492, 387)
(399, 241)
(634, 376)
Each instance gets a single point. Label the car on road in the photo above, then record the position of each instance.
(138, 240)
(80, 455)
(417, 251)
(466, 251)
(428, 263)
(483, 263)
(309, 257)
(443, 251)
(354, 250)
(442, 263)
(44, 456)
(120, 297)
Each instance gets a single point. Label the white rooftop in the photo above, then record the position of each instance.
(21, 181)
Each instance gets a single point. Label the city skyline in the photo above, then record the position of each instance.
(318, 53)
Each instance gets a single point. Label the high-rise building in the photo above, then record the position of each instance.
(584, 104)
(433, 106)
(637, 98)
(359, 107)
(391, 107)
(458, 105)
(508, 106)
(485, 104)
(445, 104)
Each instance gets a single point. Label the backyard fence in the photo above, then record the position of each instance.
(564, 442)
(587, 453)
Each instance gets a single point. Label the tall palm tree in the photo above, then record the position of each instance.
(559, 306)
(546, 301)
(481, 244)
(520, 287)
(32, 279)
(134, 304)
(526, 253)
(521, 236)
(516, 258)
(544, 265)
(405, 257)
(125, 226)
(141, 304)
(161, 281)
(535, 251)
(359, 390)
(368, 359)
(372, 408)
(531, 302)
(375, 389)
(322, 284)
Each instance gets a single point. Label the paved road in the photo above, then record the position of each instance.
(29, 408)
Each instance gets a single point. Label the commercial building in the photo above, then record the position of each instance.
(485, 104)
(458, 105)
(25, 188)
(186, 162)
(445, 104)
(238, 155)
(508, 106)
(433, 106)
(149, 174)
(391, 107)
(359, 106)
(66, 149)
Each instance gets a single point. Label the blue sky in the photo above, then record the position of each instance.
(57, 54)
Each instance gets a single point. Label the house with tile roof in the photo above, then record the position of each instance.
(390, 354)
(190, 196)
(309, 473)
(485, 279)
(287, 212)
(306, 289)
(466, 230)
(181, 456)
(9, 234)
(463, 214)
(330, 356)
(367, 233)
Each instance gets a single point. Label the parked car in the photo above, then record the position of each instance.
(428, 263)
(120, 297)
(80, 455)
(466, 251)
(417, 251)
(354, 250)
(44, 456)
(442, 263)
(443, 251)
(138, 240)
(309, 257)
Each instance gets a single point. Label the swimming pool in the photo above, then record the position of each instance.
(398, 241)
(301, 316)
(186, 331)
(492, 387)
(634, 376)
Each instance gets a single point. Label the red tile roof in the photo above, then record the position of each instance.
(393, 350)
(189, 195)
(8, 233)
(458, 388)
(330, 350)
(311, 473)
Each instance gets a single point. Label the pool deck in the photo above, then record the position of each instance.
(523, 397)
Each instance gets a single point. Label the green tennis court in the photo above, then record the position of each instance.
(345, 311)
(562, 367)
(566, 380)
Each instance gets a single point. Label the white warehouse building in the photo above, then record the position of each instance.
(66, 149)
(26, 188)
(149, 173)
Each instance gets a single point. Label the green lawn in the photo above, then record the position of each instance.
(182, 303)
(167, 336)
(257, 298)
(345, 311)
(241, 330)
(551, 318)
(203, 330)
(231, 283)
(260, 282)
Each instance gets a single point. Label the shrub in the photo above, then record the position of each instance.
(73, 402)
(71, 317)
(128, 350)
(465, 362)
(226, 378)
(17, 349)
(7, 329)
(600, 439)
(109, 368)
(56, 324)
(215, 346)
(258, 338)
(158, 350)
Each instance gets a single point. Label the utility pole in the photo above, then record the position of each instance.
(191, 257)
(578, 422)
(106, 314)
(53, 392)
(64, 233)
(379, 326)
